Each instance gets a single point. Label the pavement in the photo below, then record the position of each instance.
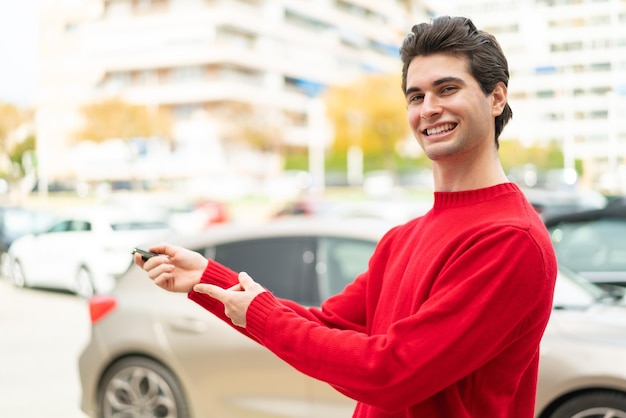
(41, 335)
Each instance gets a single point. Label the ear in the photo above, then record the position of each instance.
(499, 96)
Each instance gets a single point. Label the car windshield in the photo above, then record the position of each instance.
(138, 225)
(19, 222)
(573, 291)
(591, 246)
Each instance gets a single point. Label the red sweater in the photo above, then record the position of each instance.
(446, 322)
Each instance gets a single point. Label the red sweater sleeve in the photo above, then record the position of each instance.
(351, 317)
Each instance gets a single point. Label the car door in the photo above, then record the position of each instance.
(53, 260)
(252, 381)
(39, 256)
(307, 269)
(339, 261)
(284, 265)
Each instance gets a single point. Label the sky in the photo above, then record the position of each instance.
(18, 52)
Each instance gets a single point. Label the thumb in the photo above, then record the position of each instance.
(245, 280)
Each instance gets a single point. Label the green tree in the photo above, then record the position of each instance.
(257, 127)
(11, 118)
(22, 148)
(116, 119)
(543, 156)
(512, 154)
(369, 113)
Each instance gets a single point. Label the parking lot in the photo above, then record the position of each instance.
(42, 334)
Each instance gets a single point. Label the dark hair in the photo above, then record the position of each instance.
(458, 35)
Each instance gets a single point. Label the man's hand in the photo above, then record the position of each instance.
(176, 270)
(236, 299)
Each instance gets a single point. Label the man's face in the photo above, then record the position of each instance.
(448, 113)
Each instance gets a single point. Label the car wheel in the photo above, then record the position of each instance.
(140, 387)
(17, 274)
(593, 405)
(84, 283)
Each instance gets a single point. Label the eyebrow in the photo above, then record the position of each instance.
(437, 82)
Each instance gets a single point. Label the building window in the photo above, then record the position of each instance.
(238, 74)
(601, 44)
(573, 46)
(147, 78)
(149, 6)
(546, 69)
(599, 20)
(186, 111)
(116, 9)
(234, 38)
(186, 74)
(543, 94)
(599, 114)
(600, 66)
(117, 81)
(306, 22)
(71, 27)
(553, 116)
(360, 11)
(600, 91)
(504, 28)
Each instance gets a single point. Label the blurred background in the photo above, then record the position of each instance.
(206, 112)
(224, 100)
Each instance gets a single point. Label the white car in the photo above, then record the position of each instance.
(84, 251)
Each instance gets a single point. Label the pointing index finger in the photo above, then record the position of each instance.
(210, 289)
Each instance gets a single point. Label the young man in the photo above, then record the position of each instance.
(446, 322)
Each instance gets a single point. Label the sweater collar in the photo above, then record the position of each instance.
(468, 197)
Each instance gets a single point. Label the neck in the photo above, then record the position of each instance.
(456, 176)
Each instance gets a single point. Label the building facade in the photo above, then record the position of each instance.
(568, 77)
(217, 67)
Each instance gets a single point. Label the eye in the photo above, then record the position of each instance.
(449, 89)
(415, 98)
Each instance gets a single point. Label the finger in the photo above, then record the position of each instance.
(157, 265)
(163, 248)
(164, 280)
(211, 290)
(236, 288)
(245, 281)
(138, 260)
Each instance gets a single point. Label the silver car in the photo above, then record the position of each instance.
(155, 353)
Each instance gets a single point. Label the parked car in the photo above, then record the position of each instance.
(554, 202)
(16, 221)
(593, 243)
(394, 210)
(186, 215)
(189, 217)
(156, 352)
(84, 250)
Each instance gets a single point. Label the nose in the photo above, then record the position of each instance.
(430, 107)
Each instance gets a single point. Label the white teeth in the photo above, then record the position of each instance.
(441, 128)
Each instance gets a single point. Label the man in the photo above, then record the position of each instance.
(446, 322)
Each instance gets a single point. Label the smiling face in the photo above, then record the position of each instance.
(448, 113)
